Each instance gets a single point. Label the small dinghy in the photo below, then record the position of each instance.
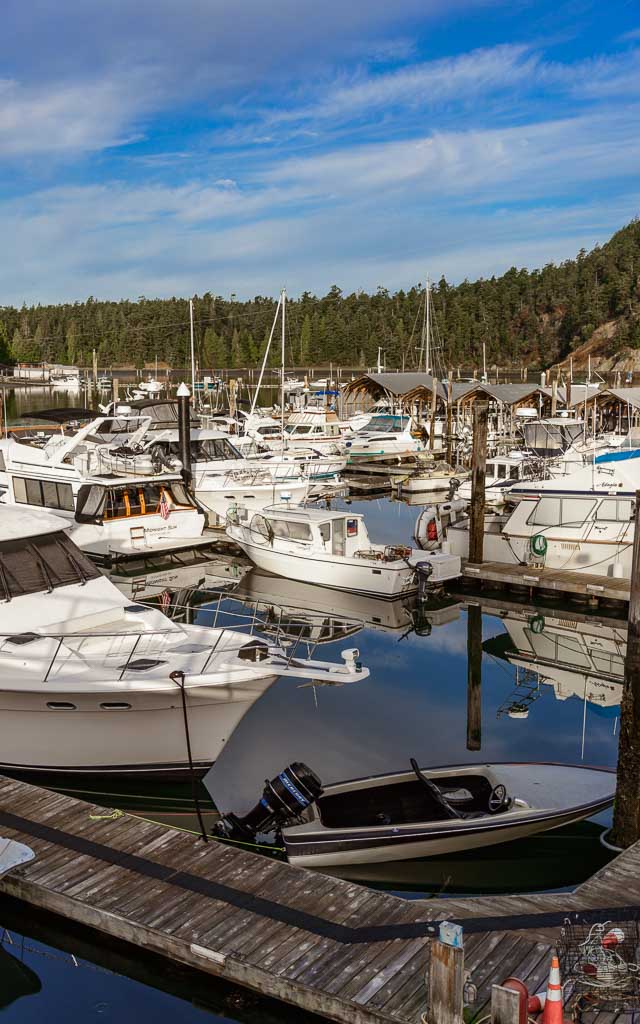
(13, 854)
(419, 812)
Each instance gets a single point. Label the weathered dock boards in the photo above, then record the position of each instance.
(581, 584)
(325, 945)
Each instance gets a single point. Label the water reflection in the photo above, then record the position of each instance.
(52, 970)
(445, 687)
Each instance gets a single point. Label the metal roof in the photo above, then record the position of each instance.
(631, 396)
(409, 385)
(510, 394)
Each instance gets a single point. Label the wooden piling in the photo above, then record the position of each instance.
(446, 984)
(478, 474)
(474, 677)
(554, 396)
(432, 420)
(449, 416)
(505, 1005)
(626, 813)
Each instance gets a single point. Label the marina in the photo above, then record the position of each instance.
(450, 725)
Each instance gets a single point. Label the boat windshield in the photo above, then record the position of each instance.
(211, 449)
(41, 564)
(383, 424)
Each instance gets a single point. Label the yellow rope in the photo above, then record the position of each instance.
(107, 817)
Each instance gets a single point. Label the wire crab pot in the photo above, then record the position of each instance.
(602, 962)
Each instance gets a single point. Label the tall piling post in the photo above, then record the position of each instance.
(478, 474)
(626, 812)
(94, 367)
(474, 677)
(184, 431)
(432, 418)
(554, 396)
(449, 416)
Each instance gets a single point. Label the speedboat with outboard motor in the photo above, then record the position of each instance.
(421, 812)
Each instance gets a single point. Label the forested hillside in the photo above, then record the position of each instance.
(532, 317)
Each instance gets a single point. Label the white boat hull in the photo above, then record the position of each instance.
(378, 580)
(144, 738)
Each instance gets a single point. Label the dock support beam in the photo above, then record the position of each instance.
(478, 474)
(626, 814)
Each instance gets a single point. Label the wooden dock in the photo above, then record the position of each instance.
(546, 582)
(331, 947)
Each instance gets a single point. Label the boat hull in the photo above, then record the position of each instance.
(145, 737)
(379, 581)
(414, 846)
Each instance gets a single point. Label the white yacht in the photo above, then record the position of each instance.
(386, 436)
(117, 501)
(223, 477)
(582, 522)
(502, 472)
(333, 549)
(91, 684)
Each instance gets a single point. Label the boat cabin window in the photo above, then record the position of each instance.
(352, 527)
(46, 493)
(268, 431)
(513, 473)
(325, 532)
(264, 529)
(2, 462)
(210, 449)
(613, 510)
(552, 511)
(41, 564)
(384, 424)
(97, 504)
(502, 471)
(298, 428)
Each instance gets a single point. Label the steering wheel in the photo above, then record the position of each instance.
(497, 798)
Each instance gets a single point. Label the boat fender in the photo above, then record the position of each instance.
(535, 1004)
(515, 985)
(539, 545)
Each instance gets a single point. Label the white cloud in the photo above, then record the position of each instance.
(69, 118)
(422, 85)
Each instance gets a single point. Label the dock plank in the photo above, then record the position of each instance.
(320, 943)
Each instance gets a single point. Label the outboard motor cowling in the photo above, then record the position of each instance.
(283, 800)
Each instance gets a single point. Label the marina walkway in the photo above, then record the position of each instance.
(328, 946)
(583, 585)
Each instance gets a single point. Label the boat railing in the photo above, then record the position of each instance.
(93, 649)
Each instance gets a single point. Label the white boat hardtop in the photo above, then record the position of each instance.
(22, 523)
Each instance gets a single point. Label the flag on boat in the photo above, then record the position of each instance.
(165, 600)
(164, 506)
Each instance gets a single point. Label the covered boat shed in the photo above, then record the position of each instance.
(619, 409)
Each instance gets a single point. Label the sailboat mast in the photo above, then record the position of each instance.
(283, 296)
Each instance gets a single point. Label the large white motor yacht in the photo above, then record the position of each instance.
(93, 684)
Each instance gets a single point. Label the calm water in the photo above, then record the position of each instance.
(550, 690)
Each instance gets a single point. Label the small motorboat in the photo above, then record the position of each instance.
(421, 812)
(333, 549)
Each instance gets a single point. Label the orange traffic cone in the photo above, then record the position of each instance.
(552, 1011)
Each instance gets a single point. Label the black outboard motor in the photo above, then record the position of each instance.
(283, 800)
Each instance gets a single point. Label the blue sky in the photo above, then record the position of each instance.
(162, 148)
